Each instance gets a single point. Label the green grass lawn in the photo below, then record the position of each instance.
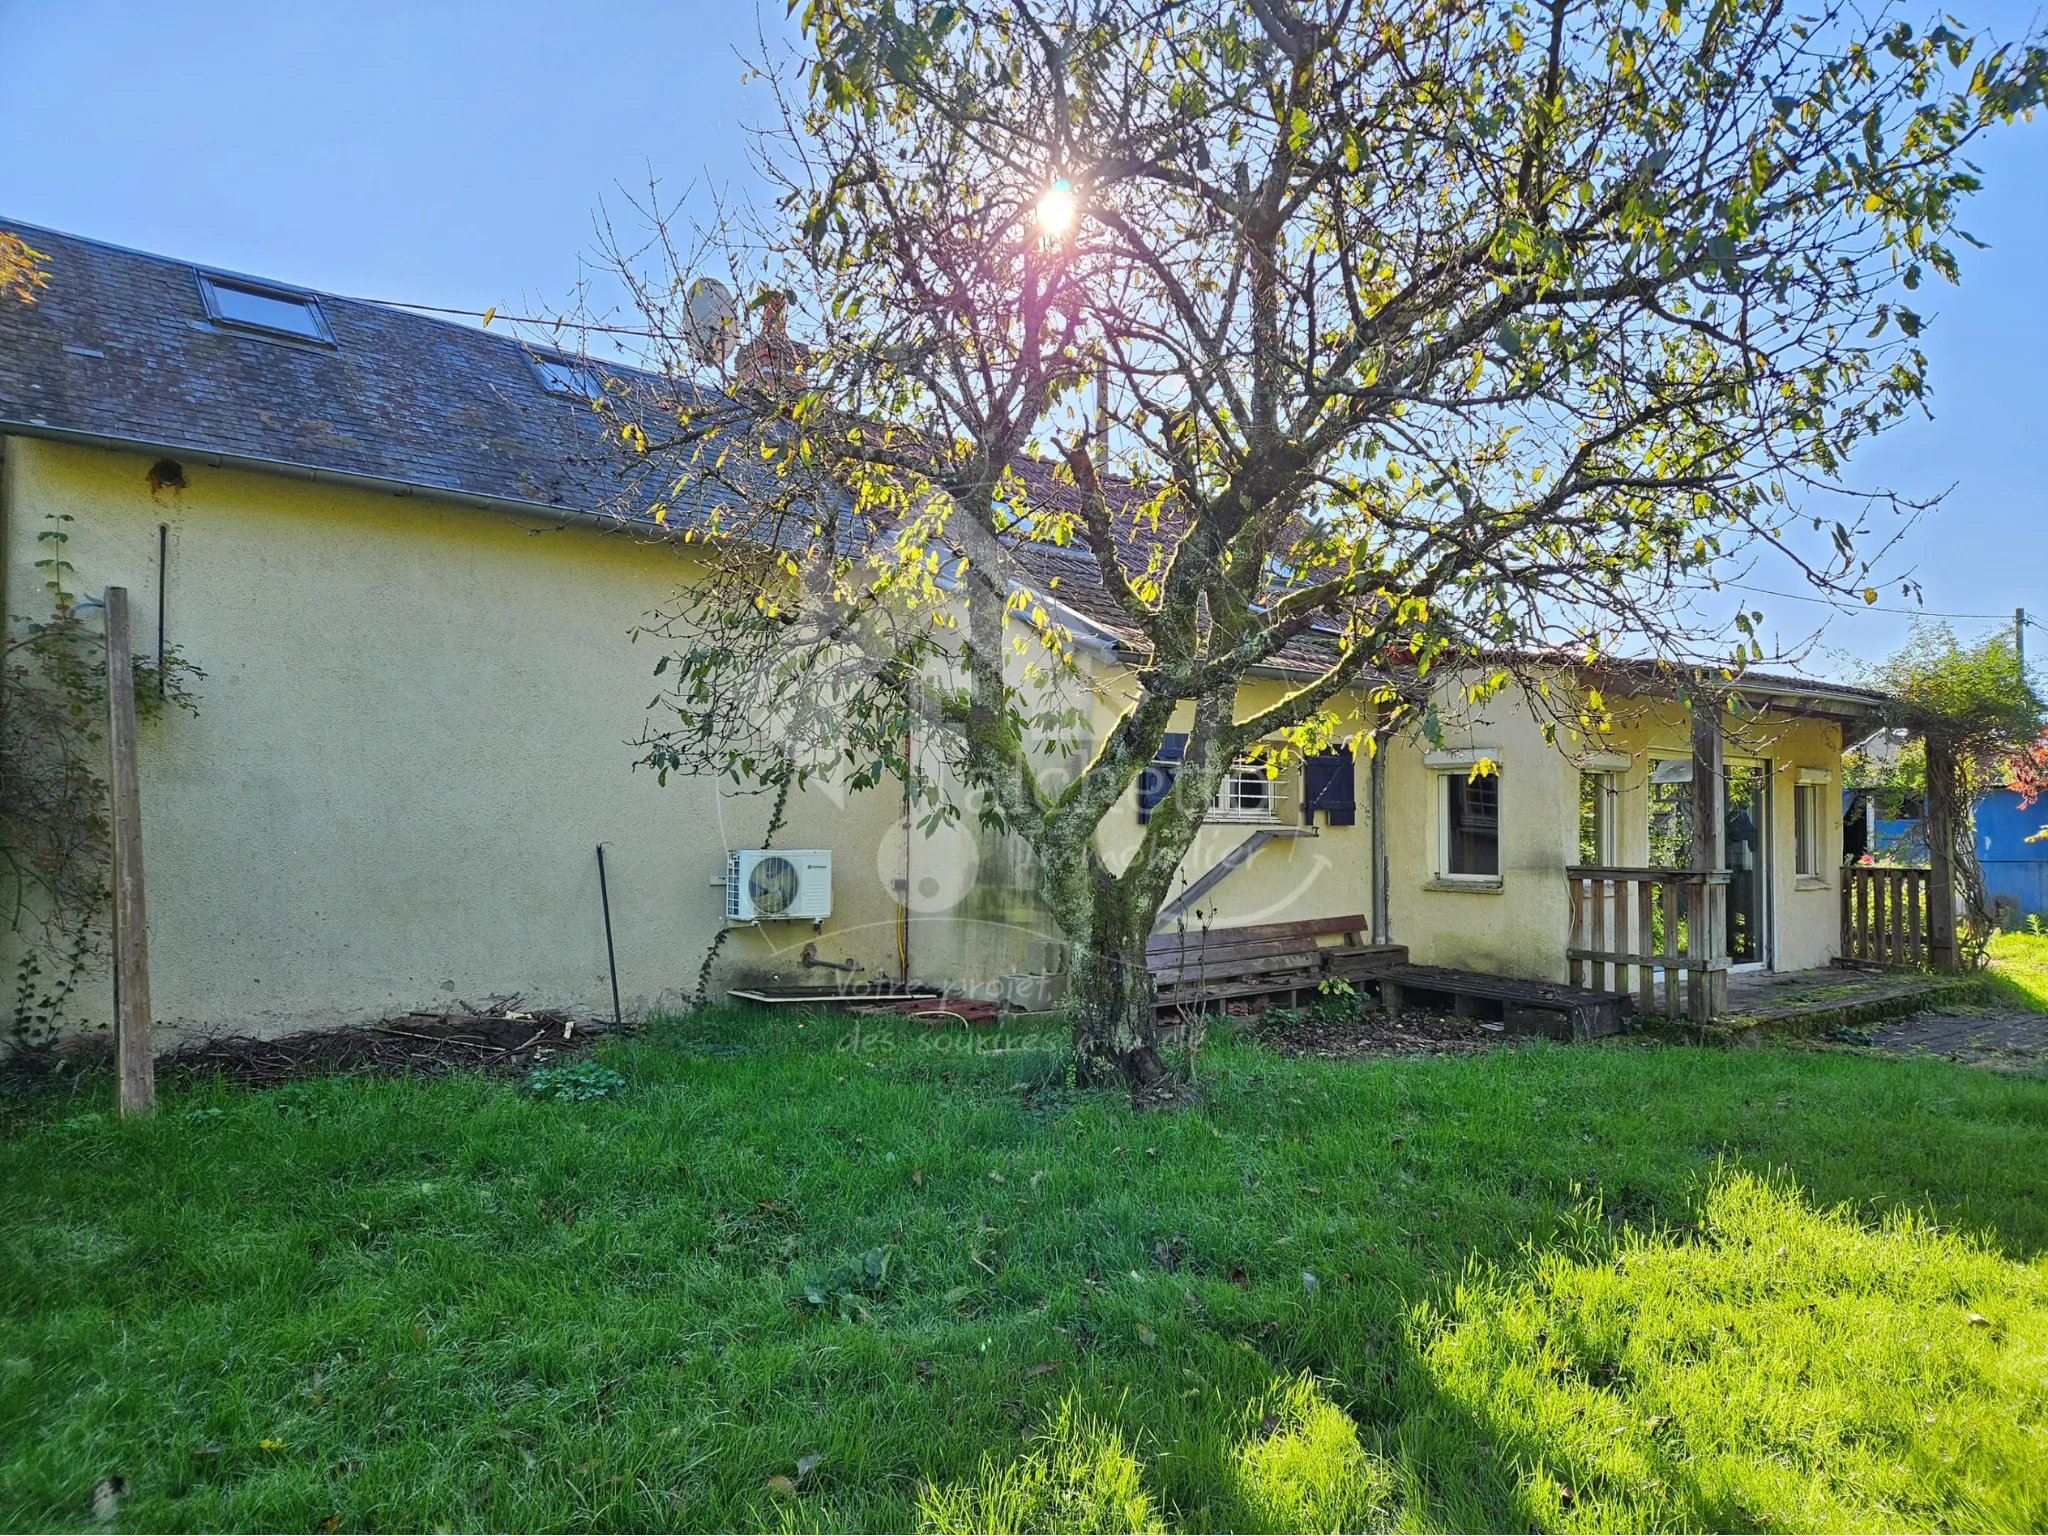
(785, 1279)
(2019, 970)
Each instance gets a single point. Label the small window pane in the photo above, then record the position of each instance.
(1596, 818)
(1245, 791)
(1806, 828)
(566, 378)
(267, 311)
(1671, 823)
(1474, 825)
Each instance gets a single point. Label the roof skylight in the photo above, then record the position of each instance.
(563, 376)
(252, 307)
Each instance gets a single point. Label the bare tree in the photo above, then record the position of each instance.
(1376, 336)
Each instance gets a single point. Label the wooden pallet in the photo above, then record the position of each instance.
(1264, 960)
(1525, 1007)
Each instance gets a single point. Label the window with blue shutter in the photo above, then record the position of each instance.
(1157, 778)
(1329, 784)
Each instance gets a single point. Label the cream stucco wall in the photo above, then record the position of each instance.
(1327, 874)
(414, 730)
(1519, 927)
(412, 734)
(975, 906)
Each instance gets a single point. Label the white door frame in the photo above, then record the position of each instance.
(1765, 834)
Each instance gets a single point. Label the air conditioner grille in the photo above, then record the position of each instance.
(788, 883)
(772, 884)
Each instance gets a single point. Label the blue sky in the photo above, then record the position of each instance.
(455, 154)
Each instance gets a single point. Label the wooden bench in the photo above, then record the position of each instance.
(1205, 965)
(1525, 1007)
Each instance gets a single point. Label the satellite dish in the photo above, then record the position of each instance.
(711, 320)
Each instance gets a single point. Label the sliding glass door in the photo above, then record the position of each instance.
(1746, 796)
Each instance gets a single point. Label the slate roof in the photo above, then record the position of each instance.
(1069, 573)
(119, 349)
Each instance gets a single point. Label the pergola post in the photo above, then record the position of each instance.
(1941, 857)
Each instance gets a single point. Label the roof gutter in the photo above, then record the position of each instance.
(1099, 641)
(1861, 704)
(257, 464)
(1092, 637)
(1858, 700)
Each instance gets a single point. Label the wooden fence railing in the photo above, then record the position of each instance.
(1885, 920)
(1654, 931)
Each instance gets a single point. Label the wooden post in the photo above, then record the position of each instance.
(1697, 981)
(1709, 821)
(136, 1057)
(1941, 860)
(1575, 925)
(1596, 891)
(1710, 838)
(1376, 789)
(1623, 979)
(1646, 974)
(1673, 909)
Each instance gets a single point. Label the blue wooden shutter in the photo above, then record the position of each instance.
(1157, 777)
(1329, 784)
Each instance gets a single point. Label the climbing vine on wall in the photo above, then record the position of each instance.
(54, 834)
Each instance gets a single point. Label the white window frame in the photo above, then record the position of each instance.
(1233, 787)
(1809, 797)
(1460, 763)
(1606, 819)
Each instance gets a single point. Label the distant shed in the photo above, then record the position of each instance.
(2015, 870)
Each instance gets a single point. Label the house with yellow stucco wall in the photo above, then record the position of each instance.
(379, 536)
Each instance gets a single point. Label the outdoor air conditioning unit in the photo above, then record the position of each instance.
(765, 884)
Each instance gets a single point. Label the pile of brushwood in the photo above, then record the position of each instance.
(499, 1037)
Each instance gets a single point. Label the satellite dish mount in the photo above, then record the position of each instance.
(711, 321)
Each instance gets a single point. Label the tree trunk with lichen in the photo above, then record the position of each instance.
(1116, 1038)
(1104, 916)
(1107, 917)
